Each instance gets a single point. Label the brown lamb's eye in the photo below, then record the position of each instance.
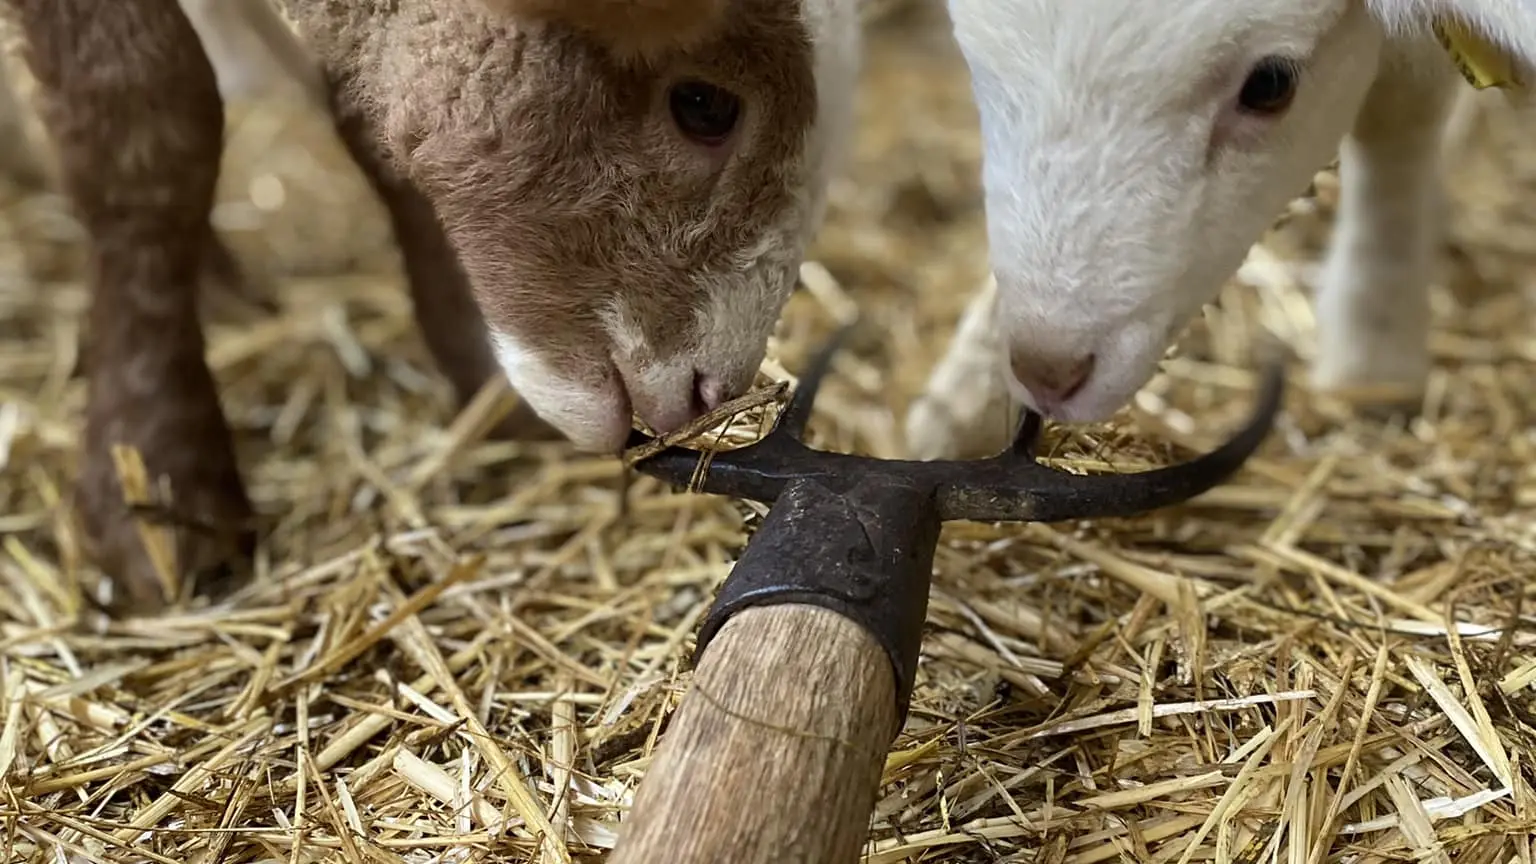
(704, 112)
(1270, 86)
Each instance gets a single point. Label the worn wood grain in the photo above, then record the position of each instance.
(775, 753)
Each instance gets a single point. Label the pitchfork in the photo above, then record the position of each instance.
(806, 662)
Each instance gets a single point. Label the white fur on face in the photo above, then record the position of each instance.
(661, 389)
(595, 419)
(1510, 23)
(729, 336)
(1122, 189)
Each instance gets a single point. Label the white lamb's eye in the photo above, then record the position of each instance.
(1270, 87)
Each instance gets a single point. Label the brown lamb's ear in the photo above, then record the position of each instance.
(630, 29)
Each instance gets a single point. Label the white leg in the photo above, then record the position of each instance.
(18, 161)
(1466, 110)
(253, 51)
(966, 410)
(1372, 303)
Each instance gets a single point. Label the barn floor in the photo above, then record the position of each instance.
(1340, 668)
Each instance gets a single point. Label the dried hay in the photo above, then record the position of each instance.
(449, 641)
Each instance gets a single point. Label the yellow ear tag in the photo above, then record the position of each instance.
(1481, 62)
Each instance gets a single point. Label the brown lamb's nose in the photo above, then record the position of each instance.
(1050, 379)
(709, 392)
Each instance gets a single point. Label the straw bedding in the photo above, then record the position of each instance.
(1326, 659)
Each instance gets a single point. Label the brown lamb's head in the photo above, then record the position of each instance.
(630, 186)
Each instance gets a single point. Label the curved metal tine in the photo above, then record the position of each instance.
(1058, 496)
(797, 414)
(741, 472)
(674, 465)
(1028, 435)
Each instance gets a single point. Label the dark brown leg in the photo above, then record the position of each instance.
(132, 105)
(450, 321)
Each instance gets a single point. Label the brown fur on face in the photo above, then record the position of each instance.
(565, 185)
(629, 28)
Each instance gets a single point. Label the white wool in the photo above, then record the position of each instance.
(1509, 23)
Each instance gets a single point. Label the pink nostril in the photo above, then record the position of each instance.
(710, 392)
(1051, 380)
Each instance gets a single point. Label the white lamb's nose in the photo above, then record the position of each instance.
(1050, 378)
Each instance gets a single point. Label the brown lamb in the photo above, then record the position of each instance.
(605, 200)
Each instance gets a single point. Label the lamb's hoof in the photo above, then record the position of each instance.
(212, 551)
(196, 510)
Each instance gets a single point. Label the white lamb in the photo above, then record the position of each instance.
(1134, 150)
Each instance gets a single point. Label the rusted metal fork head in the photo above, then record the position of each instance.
(788, 691)
(1011, 486)
(857, 534)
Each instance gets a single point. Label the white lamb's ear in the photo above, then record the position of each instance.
(628, 28)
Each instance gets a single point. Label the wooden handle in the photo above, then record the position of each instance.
(775, 755)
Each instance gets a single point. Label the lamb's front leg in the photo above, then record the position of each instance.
(132, 107)
(966, 411)
(1372, 303)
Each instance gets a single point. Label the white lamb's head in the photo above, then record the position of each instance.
(1134, 151)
